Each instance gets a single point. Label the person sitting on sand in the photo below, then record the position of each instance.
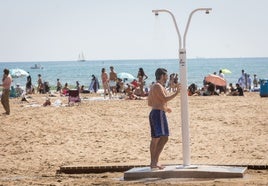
(19, 90)
(210, 91)
(138, 92)
(135, 83)
(131, 95)
(82, 90)
(47, 102)
(239, 91)
(231, 89)
(119, 86)
(192, 89)
(65, 90)
(129, 92)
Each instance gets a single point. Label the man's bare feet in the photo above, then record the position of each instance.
(157, 167)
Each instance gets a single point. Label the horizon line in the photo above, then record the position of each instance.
(91, 60)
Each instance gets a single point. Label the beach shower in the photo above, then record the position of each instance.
(183, 81)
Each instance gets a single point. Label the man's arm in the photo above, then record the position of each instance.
(166, 98)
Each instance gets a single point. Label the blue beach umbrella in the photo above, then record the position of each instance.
(17, 72)
(125, 76)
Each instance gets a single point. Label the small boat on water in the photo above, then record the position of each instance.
(81, 57)
(37, 66)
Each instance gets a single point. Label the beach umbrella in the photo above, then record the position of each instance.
(125, 76)
(17, 72)
(226, 71)
(216, 80)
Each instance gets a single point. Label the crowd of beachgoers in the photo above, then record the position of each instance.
(137, 87)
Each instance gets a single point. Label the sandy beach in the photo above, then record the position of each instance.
(36, 141)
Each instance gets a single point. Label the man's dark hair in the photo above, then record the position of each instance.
(159, 72)
(6, 71)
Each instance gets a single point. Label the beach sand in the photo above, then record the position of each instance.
(35, 141)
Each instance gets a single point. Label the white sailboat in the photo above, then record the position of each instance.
(81, 57)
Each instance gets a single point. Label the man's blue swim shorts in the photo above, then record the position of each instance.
(158, 123)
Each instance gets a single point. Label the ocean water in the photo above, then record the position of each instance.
(197, 69)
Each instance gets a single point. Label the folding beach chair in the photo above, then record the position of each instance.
(73, 96)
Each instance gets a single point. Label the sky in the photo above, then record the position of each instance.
(58, 30)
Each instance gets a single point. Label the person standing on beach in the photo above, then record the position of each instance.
(112, 80)
(94, 85)
(29, 84)
(249, 81)
(242, 80)
(221, 88)
(157, 99)
(77, 85)
(141, 79)
(6, 83)
(255, 81)
(40, 86)
(59, 86)
(142, 74)
(105, 82)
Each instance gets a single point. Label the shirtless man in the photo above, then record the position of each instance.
(157, 99)
(112, 80)
(6, 83)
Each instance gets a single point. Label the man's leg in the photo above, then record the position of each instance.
(162, 142)
(5, 101)
(156, 147)
(153, 147)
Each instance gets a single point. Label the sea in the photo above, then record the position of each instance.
(197, 68)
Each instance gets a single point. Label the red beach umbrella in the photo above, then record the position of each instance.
(216, 80)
